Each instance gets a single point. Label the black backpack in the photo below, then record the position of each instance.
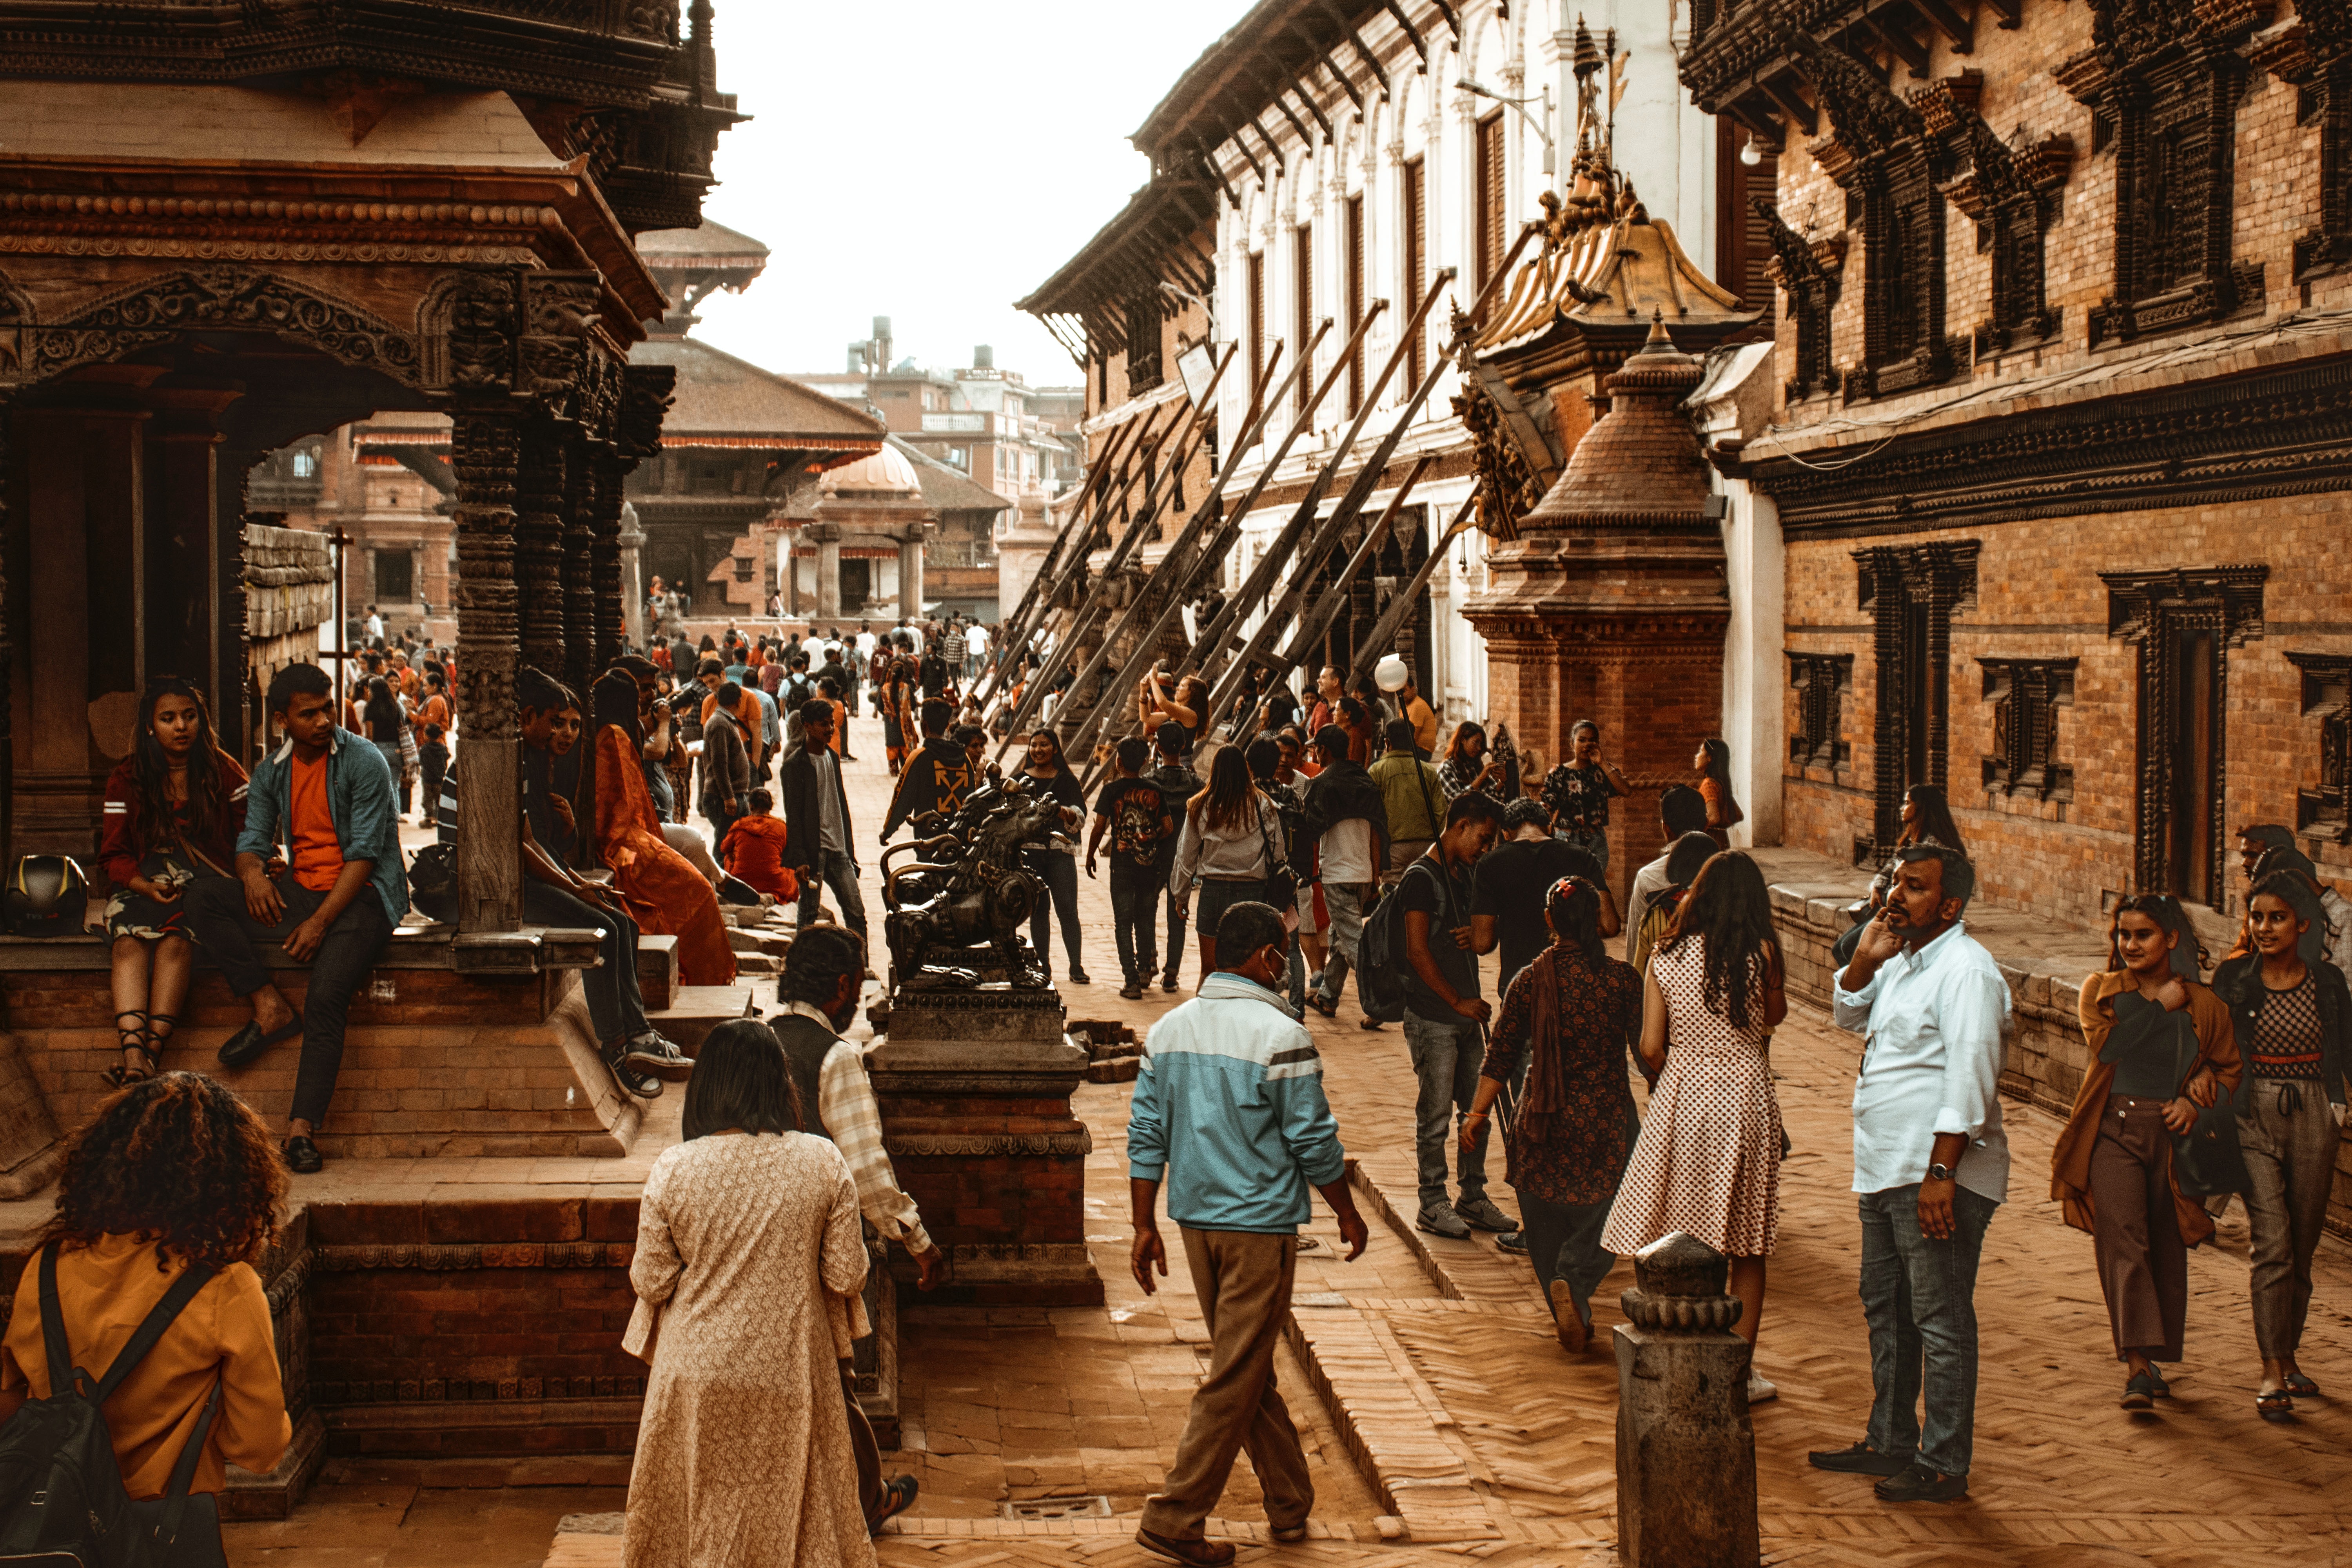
(62, 1502)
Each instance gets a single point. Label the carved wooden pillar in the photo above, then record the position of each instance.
(583, 648)
(486, 449)
(7, 655)
(610, 598)
(538, 497)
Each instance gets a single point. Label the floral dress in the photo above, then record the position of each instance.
(1567, 1144)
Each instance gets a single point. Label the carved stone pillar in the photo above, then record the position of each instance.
(1685, 1447)
(910, 573)
(582, 508)
(486, 446)
(631, 542)
(827, 536)
(539, 499)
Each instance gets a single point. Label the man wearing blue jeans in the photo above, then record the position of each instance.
(1445, 1016)
(1930, 1165)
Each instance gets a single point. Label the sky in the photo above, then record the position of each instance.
(931, 162)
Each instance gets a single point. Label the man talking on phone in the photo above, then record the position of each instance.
(1930, 1165)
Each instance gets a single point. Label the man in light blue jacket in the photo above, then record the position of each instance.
(1230, 1095)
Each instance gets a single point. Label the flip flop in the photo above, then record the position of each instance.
(2276, 1405)
(2301, 1388)
(898, 1496)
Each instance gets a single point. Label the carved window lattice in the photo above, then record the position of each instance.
(2026, 694)
(2184, 624)
(1882, 153)
(1911, 591)
(2328, 697)
(2010, 191)
(2313, 54)
(1808, 274)
(1821, 682)
(1144, 320)
(2163, 82)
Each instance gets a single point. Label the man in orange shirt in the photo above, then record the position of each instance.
(317, 873)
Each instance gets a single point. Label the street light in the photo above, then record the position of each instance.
(1542, 128)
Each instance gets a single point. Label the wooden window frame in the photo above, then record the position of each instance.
(1255, 286)
(1819, 681)
(2326, 681)
(1416, 260)
(1912, 593)
(1490, 184)
(2027, 694)
(1353, 300)
(1302, 304)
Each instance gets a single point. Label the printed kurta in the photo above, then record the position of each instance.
(749, 1249)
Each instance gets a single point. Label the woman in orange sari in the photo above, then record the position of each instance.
(666, 894)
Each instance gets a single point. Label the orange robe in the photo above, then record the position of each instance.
(666, 894)
(754, 853)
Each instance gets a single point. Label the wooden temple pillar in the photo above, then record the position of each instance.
(486, 450)
(540, 487)
(584, 656)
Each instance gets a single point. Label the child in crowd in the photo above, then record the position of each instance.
(753, 851)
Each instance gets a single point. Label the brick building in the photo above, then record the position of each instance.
(2052, 443)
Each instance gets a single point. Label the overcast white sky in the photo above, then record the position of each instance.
(932, 162)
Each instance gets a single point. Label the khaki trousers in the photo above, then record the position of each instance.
(1242, 1278)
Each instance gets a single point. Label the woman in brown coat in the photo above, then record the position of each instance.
(2161, 1049)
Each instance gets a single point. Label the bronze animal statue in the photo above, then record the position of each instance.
(973, 908)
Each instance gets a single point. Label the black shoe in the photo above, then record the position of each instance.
(302, 1156)
(1862, 1459)
(1130, 992)
(1078, 977)
(637, 1081)
(1168, 982)
(1916, 1483)
(650, 1053)
(1512, 1241)
(2139, 1391)
(250, 1042)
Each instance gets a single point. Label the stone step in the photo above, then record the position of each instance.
(658, 976)
(698, 1009)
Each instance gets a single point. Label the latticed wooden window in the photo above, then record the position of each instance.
(1258, 314)
(1494, 216)
(2328, 697)
(1416, 260)
(2026, 694)
(1819, 681)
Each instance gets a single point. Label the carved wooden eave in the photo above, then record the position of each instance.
(327, 214)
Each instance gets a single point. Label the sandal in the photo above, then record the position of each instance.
(123, 1075)
(898, 1496)
(2301, 1388)
(1329, 1009)
(2276, 1405)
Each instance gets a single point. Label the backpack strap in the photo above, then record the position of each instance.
(183, 1473)
(195, 1277)
(53, 1324)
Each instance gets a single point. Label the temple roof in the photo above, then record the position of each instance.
(723, 401)
(945, 489)
(712, 245)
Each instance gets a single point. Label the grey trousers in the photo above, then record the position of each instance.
(1344, 902)
(2288, 1136)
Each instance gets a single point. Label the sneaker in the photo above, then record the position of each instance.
(1130, 992)
(1759, 1390)
(1441, 1220)
(1862, 1459)
(1916, 1483)
(650, 1053)
(2139, 1391)
(1514, 1242)
(1482, 1213)
(637, 1080)
(1168, 982)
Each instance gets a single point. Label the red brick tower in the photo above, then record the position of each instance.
(1611, 603)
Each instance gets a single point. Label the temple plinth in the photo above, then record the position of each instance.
(1610, 604)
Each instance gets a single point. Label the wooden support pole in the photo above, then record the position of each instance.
(485, 448)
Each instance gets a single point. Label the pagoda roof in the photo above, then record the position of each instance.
(723, 401)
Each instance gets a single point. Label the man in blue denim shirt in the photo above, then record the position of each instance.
(1930, 1166)
(319, 873)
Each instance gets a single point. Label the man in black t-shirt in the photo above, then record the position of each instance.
(1134, 812)
(1444, 1017)
(1178, 784)
(1512, 884)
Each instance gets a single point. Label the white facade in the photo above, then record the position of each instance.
(1666, 144)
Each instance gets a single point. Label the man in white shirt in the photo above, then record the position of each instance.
(1930, 1165)
(975, 651)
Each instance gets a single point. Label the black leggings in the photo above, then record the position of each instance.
(1060, 874)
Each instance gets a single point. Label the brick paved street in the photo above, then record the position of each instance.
(1438, 1409)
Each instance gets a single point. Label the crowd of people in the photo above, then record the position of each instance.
(1305, 836)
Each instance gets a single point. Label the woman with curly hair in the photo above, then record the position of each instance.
(1708, 1159)
(174, 1175)
(172, 811)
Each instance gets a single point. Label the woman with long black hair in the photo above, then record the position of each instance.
(1228, 844)
(1708, 1159)
(172, 811)
(383, 723)
(1047, 769)
(1567, 1012)
(1711, 767)
(1469, 765)
(2292, 1017)
(2161, 1049)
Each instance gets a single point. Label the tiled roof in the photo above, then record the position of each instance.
(724, 397)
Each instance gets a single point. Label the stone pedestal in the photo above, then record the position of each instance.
(975, 1089)
(1685, 1448)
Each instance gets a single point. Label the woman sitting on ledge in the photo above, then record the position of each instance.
(668, 896)
(173, 810)
(167, 1199)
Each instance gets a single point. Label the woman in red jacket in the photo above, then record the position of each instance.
(172, 811)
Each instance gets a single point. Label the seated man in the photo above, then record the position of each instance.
(553, 895)
(754, 850)
(318, 872)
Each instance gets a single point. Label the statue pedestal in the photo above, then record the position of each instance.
(974, 1088)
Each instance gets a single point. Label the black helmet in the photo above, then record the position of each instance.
(46, 895)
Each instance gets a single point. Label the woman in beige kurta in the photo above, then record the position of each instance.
(750, 1261)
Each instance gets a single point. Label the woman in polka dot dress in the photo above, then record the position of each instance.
(1709, 1159)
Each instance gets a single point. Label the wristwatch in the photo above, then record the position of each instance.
(1939, 1173)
